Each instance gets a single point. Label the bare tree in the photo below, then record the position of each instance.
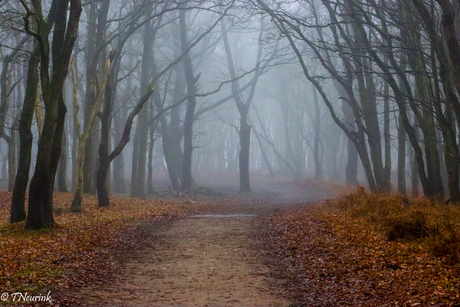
(6, 88)
(57, 52)
(25, 148)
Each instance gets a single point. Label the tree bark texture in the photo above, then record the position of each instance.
(25, 138)
(40, 214)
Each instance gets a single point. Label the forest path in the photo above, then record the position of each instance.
(205, 260)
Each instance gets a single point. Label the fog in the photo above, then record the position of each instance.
(173, 94)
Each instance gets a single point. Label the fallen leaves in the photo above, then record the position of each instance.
(334, 257)
(82, 248)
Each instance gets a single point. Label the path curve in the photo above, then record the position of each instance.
(204, 260)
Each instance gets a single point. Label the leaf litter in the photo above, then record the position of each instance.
(82, 249)
(329, 253)
(332, 256)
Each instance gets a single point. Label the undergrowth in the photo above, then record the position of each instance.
(426, 223)
(365, 249)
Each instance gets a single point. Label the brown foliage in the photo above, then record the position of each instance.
(400, 218)
(338, 254)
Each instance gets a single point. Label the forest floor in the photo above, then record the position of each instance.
(208, 259)
(286, 243)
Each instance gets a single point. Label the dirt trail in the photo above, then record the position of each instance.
(204, 260)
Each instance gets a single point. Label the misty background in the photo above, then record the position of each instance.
(362, 92)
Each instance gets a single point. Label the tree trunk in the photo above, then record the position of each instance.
(56, 153)
(245, 142)
(449, 73)
(415, 165)
(18, 212)
(95, 57)
(78, 195)
(74, 157)
(191, 104)
(317, 141)
(101, 184)
(264, 155)
(387, 139)
(449, 24)
(118, 174)
(188, 146)
(150, 157)
(401, 158)
(40, 213)
(84, 136)
(4, 172)
(106, 121)
(351, 169)
(170, 161)
(12, 168)
(426, 121)
(104, 158)
(243, 107)
(401, 132)
(62, 167)
(139, 164)
(5, 92)
(363, 72)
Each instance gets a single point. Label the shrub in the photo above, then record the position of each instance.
(431, 223)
